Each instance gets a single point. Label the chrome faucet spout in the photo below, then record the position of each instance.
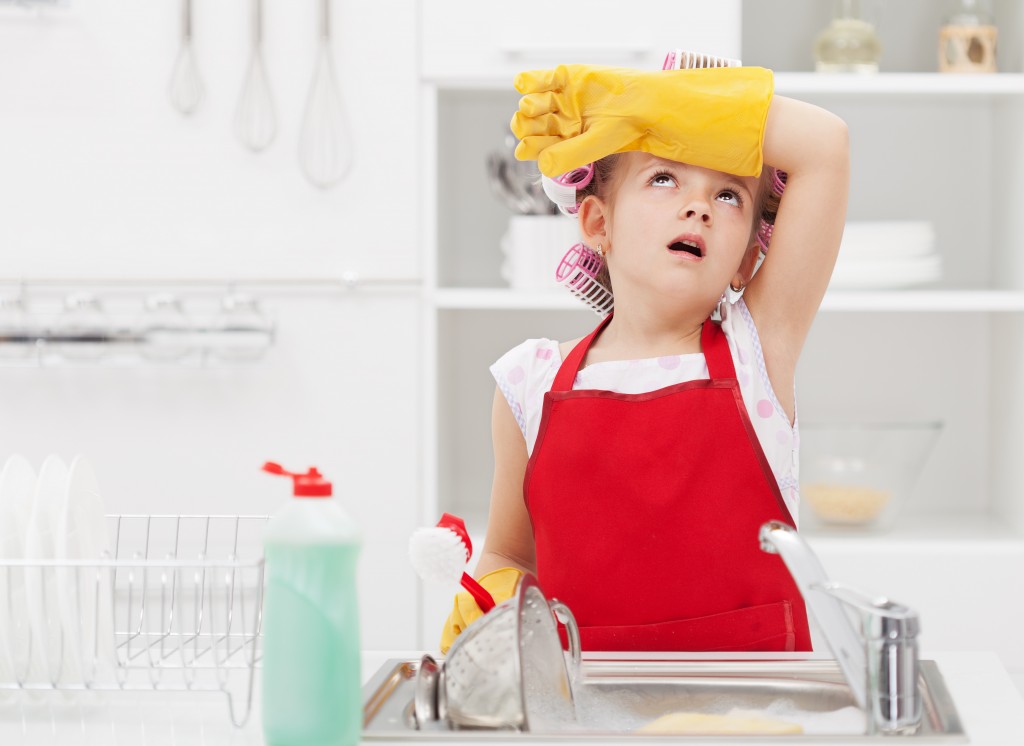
(879, 661)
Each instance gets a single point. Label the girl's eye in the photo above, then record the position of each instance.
(731, 197)
(663, 180)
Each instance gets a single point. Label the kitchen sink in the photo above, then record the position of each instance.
(615, 696)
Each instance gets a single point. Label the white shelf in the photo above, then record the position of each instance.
(804, 83)
(904, 84)
(978, 301)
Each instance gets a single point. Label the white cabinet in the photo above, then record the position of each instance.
(946, 149)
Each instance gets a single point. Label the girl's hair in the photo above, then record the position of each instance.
(770, 188)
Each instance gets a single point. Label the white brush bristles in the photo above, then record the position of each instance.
(438, 554)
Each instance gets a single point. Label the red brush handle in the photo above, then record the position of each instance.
(483, 599)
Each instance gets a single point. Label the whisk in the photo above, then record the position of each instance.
(255, 119)
(325, 148)
(186, 90)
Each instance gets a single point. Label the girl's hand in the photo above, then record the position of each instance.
(576, 114)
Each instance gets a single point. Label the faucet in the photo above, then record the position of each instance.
(880, 661)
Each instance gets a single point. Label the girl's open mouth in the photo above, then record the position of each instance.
(691, 244)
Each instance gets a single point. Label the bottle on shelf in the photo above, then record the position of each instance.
(849, 44)
(967, 40)
(311, 679)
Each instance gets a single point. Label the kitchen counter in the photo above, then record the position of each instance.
(991, 708)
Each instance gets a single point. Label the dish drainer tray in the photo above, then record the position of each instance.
(176, 605)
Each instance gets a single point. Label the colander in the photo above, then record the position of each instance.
(506, 671)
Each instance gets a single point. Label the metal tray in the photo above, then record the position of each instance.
(616, 696)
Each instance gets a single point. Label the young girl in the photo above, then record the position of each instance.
(633, 467)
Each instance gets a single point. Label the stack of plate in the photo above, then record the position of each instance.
(56, 621)
(887, 254)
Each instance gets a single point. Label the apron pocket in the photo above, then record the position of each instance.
(768, 627)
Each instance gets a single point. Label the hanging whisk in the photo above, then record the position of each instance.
(325, 148)
(255, 118)
(186, 89)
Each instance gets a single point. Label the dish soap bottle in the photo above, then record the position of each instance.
(311, 680)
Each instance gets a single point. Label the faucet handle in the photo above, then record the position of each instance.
(882, 618)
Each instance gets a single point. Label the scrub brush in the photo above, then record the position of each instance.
(439, 554)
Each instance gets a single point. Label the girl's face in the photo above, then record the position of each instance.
(677, 230)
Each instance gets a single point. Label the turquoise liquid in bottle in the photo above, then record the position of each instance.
(311, 683)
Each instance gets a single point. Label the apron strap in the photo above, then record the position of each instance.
(716, 351)
(712, 341)
(571, 365)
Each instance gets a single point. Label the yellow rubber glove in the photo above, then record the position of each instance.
(501, 584)
(576, 114)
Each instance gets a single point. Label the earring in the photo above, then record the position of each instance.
(736, 289)
(600, 250)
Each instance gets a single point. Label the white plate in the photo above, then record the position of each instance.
(17, 486)
(41, 583)
(887, 239)
(85, 595)
(879, 274)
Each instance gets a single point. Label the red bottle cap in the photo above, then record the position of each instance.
(310, 484)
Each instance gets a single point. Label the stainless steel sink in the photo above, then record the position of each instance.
(616, 696)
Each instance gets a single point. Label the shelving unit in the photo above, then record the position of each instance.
(925, 146)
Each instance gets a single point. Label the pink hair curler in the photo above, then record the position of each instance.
(681, 59)
(764, 231)
(578, 272)
(562, 190)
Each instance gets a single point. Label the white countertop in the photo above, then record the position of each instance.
(991, 708)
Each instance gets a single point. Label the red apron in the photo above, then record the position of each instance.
(646, 510)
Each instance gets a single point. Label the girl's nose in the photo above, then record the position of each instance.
(697, 207)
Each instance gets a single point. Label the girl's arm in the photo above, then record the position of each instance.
(812, 146)
(509, 540)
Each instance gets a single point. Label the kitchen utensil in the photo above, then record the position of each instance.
(440, 554)
(325, 147)
(243, 332)
(858, 476)
(507, 669)
(578, 272)
(84, 598)
(17, 486)
(41, 591)
(83, 328)
(186, 88)
(164, 327)
(13, 346)
(517, 183)
(255, 118)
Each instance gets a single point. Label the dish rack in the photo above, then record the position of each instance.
(177, 606)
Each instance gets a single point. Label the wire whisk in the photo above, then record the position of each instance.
(255, 117)
(186, 89)
(325, 147)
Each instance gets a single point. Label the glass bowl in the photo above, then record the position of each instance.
(858, 476)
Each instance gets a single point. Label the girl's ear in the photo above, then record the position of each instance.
(747, 266)
(593, 217)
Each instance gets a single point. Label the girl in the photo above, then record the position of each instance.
(633, 467)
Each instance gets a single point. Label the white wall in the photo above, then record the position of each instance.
(101, 178)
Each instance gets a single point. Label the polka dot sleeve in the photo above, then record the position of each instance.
(523, 374)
